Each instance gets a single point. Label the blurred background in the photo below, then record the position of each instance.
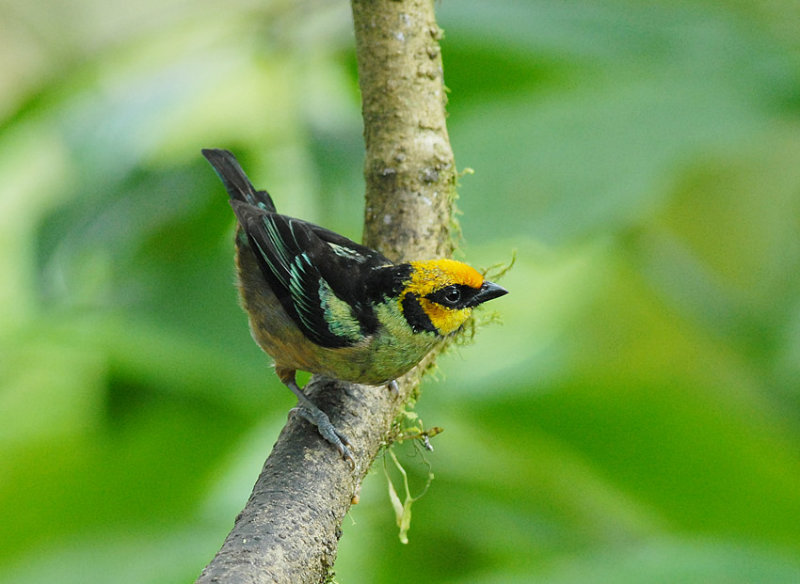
(636, 417)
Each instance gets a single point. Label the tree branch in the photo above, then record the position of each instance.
(409, 169)
(289, 529)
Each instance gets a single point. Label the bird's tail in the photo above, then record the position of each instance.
(235, 180)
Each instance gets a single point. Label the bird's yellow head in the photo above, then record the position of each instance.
(440, 294)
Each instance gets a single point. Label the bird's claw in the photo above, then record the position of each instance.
(328, 431)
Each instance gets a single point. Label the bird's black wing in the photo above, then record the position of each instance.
(317, 275)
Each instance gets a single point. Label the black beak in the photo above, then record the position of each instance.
(488, 291)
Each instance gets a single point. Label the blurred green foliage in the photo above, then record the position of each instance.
(635, 420)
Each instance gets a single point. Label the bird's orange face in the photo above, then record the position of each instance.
(441, 294)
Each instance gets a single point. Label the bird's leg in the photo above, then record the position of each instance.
(307, 409)
(393, 387)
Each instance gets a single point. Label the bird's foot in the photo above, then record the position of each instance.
(307, 409)
(327, 430)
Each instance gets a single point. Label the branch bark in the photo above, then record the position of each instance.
(409, 169)
(288, 531)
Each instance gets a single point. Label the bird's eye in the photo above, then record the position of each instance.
(452, 295)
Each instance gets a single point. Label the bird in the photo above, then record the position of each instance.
(319, 302)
